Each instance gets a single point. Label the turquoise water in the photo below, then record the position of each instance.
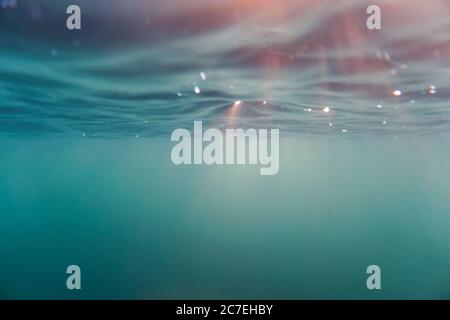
(86, 176)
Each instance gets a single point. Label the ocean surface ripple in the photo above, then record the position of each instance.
(145, 68)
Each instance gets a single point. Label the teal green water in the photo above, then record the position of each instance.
(140, 227)
(86, 176)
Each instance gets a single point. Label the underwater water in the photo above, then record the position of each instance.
(86, 176)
